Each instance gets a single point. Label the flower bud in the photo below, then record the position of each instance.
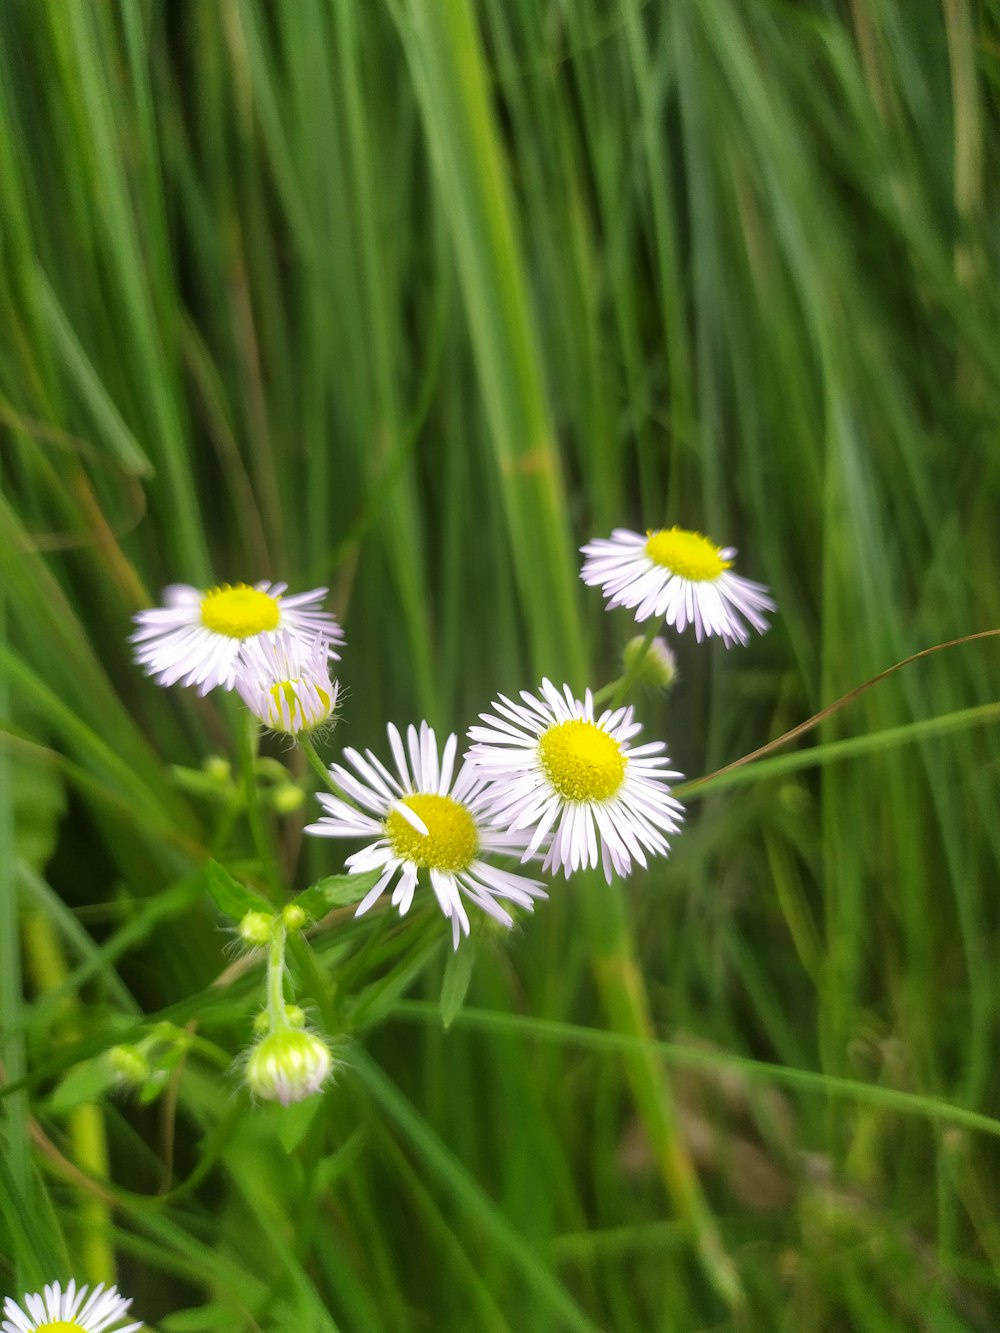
(255, 929)
(658, 668)
(293, 917)
(294, 1016)
(129, 1064)
(288, 1066)
(287, 798)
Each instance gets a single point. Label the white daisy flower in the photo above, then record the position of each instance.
(69, 1311)
(422, 820)
(679, 575)
(285, 681)
(195, 638)
(552, 764)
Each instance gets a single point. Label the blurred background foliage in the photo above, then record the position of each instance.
(412, 297)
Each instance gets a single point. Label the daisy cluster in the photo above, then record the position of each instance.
(273, 649)
(547, 777)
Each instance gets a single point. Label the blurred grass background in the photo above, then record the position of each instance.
(413, 297)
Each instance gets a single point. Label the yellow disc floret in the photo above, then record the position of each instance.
(451, 841)
(291, 693)
(60, 1326)
(687, 554)
(239, 611)
(581, 761)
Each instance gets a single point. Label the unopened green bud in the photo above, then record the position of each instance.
(287, 798)
(294, 1016)
(293, 917)
(288, 1066)
(256, 929)
(218, 769)
(129, 1064)
(658, 668)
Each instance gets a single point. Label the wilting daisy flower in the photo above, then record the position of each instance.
(552, 765)
(195, 638)
(69, 1311)
(285, 681)
(421, 820)
(679, 575)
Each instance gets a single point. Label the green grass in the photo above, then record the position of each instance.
(412, 298)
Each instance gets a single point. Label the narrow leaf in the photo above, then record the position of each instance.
(457, 975)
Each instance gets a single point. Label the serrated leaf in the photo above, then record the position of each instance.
(336, 891)
(229, 895)
(457, 975)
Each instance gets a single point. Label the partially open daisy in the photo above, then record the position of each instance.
(195, 638)
(552, 764)
(69, 1311)
(681, 576)
(285, 682)
(421, 820)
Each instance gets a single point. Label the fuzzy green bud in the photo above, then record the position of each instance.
(129, 1064)
(293, 917)
(294, 1017)
(256, 929)
(288, 1066)
(658, 668)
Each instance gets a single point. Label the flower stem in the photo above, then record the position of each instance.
(277, 1020)
(315, 763)
(246, 735)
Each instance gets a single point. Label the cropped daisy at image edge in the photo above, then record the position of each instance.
(54, 1310)
(679, 575)
(421, 820)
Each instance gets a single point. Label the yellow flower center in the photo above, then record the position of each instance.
(581, 761)
(60, 1326)
(688, 554)
(451, 841)
(239, 611)
(289, 691)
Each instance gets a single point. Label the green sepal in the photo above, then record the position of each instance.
(457, 975)
(336, 891)
(229, 895)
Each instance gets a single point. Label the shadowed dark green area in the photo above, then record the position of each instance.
(411, 298)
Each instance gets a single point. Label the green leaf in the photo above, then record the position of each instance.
(84, 1083)
(292, 1122)
(39, 796)
(215, 1318)
(336, 891)
(229, 895)
(457, 975)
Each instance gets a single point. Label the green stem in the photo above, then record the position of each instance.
(315, 763)
(277, 1020)
(246, 734)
